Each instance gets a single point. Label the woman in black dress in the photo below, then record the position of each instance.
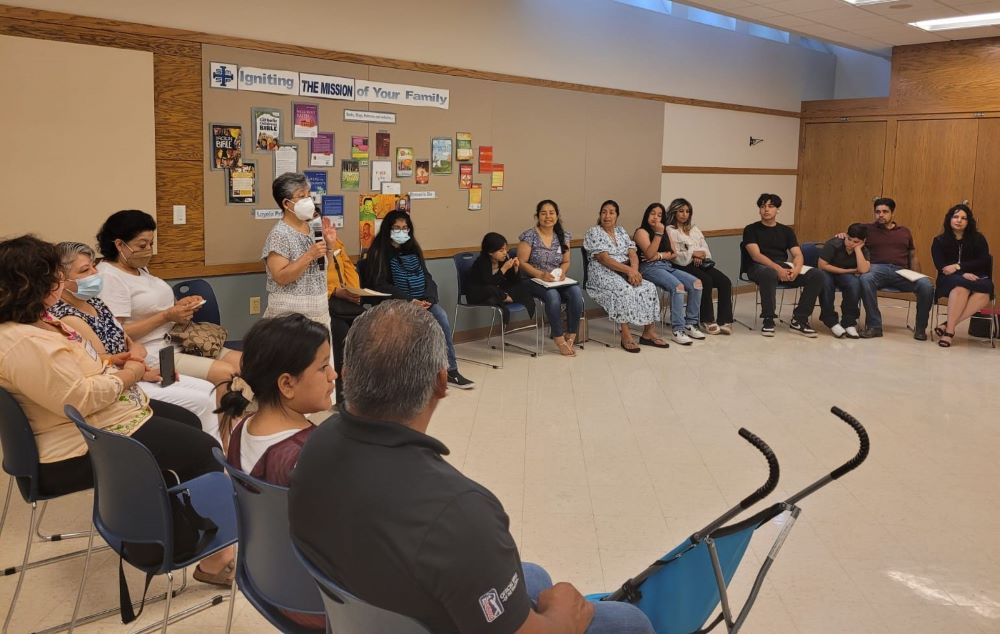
(495, 278)
(962, 258)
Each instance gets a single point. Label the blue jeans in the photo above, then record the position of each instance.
(610, 617)
(882, 276)
(668, 278)
(850, 302)
(442, 318)
(553, 299)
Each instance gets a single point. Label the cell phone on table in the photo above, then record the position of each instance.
(167, 373)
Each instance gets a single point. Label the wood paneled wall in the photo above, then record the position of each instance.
(933, 143)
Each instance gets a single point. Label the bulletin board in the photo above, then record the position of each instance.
(576, 148)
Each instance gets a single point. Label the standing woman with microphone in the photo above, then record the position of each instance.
(294, 255)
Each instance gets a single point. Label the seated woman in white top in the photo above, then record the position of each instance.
(143, 302)
(80, 308)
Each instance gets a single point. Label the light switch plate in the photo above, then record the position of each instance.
(180, 214)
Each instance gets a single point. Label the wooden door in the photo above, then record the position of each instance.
(841, 171)
(935, 167)
(986, 195)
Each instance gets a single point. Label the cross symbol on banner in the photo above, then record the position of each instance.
(223, 76)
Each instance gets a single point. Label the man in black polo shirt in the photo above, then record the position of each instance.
(375, 506)
(843, 261)
(769, 245)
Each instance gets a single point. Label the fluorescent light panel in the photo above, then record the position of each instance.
(958, 22)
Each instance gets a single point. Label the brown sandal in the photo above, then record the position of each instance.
(222, 578)
(570, 339)
(565, 348)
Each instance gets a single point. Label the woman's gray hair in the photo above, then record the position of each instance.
(285, 186)
(69, 250)
(392, 358)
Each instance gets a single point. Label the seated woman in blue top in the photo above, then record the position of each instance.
(395, 265)
(962, 258)
(495, 278)
(543, 249)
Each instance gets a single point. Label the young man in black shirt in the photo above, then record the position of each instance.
(374, 505)
(769, 245)
(843, 261)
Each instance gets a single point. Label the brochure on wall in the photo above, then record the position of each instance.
(241, 184)
(321, 149)
(350, 174)
(286, 159)
(463, 146)
(266, 129)
(404, 161)
(912, 276)
(359, 150)
(381, 172)
(333, 207)
(382, 144)
(306, 117)
(464, 175)
(391, 188)
(423, 175)
(485, 158)
(476, 197)
(441, 155)
(227, 146)
(496, 182)
(317, 184)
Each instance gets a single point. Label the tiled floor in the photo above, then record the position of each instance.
(606, 461)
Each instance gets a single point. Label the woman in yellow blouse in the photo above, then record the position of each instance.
(45, 365)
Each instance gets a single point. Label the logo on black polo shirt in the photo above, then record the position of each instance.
(491, 606)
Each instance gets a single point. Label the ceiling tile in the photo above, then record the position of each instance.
(790, 22)
(846, 18)
(917, 10)
(903, 35)
(758, 13)
(798, 6)
(726, 5)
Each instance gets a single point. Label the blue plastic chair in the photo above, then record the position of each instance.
(132, 506)
(347, 614)
(463, 264)
(210, 311)
(267, 571)
(20, 461)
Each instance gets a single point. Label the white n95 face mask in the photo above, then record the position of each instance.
(304, 209)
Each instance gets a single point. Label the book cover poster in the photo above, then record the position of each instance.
(333, 207)
(464, 175)
(372, 208)
(317, 184)
(441, 155)
(476, 197)
(266, 129)
(463, 146)
(485, 158)
(404, 161)
(423, 173)
(306, 118)
(359, 150)
(381, 173)
(227, 146)
(382, 144)
(496, 182)
(321, 149)
(350, 174)
(242, 184)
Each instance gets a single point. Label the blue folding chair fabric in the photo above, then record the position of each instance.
(267, 571)
(210, 312)
(347, 614)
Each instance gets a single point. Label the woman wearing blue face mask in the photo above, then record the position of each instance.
(395, 265)
(80, 309)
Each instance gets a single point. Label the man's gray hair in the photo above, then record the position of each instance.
(285, 186)
(69, 250)
(392, 358)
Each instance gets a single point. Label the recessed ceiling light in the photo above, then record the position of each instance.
(859, 3)
(959, 22)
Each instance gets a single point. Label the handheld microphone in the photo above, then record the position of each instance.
(317, 227)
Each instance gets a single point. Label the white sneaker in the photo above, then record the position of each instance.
(838, 331)
(681, 337)
(852, 333)
(693, 332)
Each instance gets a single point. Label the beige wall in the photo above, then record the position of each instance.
(78, 125)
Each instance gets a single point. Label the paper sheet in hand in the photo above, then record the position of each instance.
(364, 292)
(912, 276)
(566, 281)
(805, 267)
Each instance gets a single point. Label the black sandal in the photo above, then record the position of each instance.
(940, 330)
(634, 349)
(942, 342)
(653, 342)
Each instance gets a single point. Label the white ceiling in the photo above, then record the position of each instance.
(872, 28)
